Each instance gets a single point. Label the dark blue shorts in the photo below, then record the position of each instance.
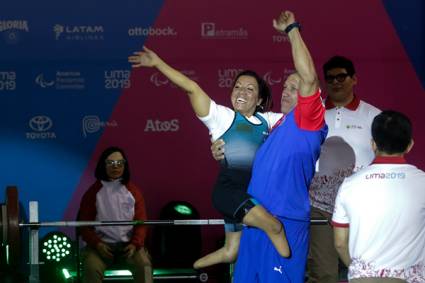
(258, 260)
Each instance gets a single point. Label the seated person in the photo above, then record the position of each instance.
(114, 198)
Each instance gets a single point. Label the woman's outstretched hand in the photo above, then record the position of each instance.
(145, 58)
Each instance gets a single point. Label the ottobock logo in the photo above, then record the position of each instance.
(152, 31)
(162, 126)
(40, 126)
(117, 79)
(210, 31)
(63, 80)
(7, 80)
(226, 77)
(159, 79)
(93, 124)
(78, 32)
(268, 77)
(12, 30)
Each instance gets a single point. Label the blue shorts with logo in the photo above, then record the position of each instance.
(258, 260)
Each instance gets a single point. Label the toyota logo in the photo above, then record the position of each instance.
(40, 123)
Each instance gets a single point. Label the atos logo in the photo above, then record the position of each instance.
(162, 126)
(40, 123)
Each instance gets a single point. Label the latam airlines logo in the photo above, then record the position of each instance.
(12, 30)
(40, 126)
(78, 32)
(152, 31)
(211, 31)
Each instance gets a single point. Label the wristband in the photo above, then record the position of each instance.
(291, 26)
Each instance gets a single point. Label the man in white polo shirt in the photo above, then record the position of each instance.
(345, 150)
(379, 216)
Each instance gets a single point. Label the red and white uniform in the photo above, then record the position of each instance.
(384, 207)
(113, 201)
(345, 150)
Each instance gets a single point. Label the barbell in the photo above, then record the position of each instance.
(10, 225)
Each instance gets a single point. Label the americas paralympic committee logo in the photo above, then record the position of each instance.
(43, 82)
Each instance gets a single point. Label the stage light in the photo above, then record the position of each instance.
(183, 209)
(55, 247)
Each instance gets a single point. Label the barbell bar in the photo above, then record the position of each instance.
(10, 226)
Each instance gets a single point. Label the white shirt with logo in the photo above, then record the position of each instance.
(347, 149)
(384, 207)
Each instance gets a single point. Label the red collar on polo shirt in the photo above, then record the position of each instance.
(389, 160)
(350, 106)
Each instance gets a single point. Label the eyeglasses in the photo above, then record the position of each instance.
(116, 163)
(339, 78)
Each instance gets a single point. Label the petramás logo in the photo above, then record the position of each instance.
(211, 31)
(152, 31)
(92, 124)
(162, 126)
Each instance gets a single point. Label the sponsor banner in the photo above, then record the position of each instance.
(40, 127)
(159, 79)
(62, 80)
(117, 79)
(167, 31)
(78, 32)
(7, 80)
(92, 124)
(213, 31)
(13, 30)
(155, 125)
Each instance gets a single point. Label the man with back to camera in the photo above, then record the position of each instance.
(379, 212)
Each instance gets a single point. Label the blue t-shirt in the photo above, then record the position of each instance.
(283, 169)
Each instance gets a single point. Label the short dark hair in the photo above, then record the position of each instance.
(392, 132)
(263, 90)
(339, 62)
(100, 171)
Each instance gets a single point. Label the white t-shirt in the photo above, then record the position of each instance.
(220, 118)
(384, 207)
(114, 202)
(346, 149)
